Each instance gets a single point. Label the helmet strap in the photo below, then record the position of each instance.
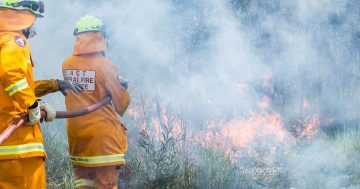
(29, 32)
(106, 38)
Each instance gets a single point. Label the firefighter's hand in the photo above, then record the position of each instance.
(64, 85)
(123, 82)
(50, 111)
(34, 114)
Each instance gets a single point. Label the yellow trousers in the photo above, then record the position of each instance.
(96, 177)
(27, 173)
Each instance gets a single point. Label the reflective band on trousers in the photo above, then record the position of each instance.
(91, 160)
(21, 149)
(84, 182)
(16, 87)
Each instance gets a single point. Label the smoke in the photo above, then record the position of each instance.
(216, 60)
(321, 165)
(191, 55)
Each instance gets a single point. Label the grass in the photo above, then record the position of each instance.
(164, 157)
(170, 164)
(58, 167)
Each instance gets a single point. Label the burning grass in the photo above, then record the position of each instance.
(170, 156)
(263, 149)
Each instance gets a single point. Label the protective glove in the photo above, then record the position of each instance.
(123, 82)
(64, 85)
(34, 114)
(50, 111)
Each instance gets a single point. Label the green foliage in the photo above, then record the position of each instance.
(58, 167)
(155, 167)
(169, 159)
(194, 166)
(172, 162)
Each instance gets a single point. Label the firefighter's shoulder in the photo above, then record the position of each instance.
(107, 65)
(13, 40)
(106, 60)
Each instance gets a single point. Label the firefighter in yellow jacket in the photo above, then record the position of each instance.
(97, 141)
(22, 154)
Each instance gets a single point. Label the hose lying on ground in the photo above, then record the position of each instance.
(59, 115)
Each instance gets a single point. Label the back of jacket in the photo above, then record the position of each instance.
(98, 138)
(16, 95)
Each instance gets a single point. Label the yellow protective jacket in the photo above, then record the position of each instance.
(17, 93)
(99, 138)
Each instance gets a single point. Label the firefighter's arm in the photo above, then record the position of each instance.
(120, 96)
(14, 61)
(44, 87)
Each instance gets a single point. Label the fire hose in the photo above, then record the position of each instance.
(59, 115)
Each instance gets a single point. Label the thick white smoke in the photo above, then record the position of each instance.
(209, 59)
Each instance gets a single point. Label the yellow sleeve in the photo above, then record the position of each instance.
(44, 87)
(120, 96)
(14, 62)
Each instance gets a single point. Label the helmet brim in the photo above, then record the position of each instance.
(13, 20)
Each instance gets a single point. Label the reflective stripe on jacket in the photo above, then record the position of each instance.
(93, 160)
(22, 149)
(84, 182)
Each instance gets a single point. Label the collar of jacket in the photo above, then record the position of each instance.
(11, 20)
(89, 42)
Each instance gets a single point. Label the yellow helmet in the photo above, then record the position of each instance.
(34, 6)
(89, 24)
